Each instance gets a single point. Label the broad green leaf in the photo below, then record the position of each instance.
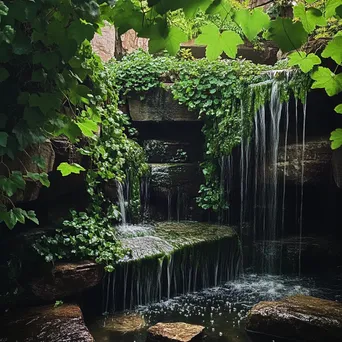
(9, 218)
(336, 138)
(338, 109)
(252, 22)
(287, 34)
(331, 6)
(304, 61)
(43, 178)
(66, 169)
(191, 7)
(217, 42)
(171, 42)
(88, 127)
(127, 15)
(310, 18)
(223, 8)
(334, 50)
(3, 139)
(339, 12)
(325, 78)
(18, 180)
(4, 74)
(81, 31)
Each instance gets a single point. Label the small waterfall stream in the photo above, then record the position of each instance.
(262, 190)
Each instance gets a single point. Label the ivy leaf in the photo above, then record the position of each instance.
(252, 22)
(3, 9)
(304, 61)
(87, 127)
(336, 138)
(4, 74)
(287, 34)
(31, 215)
(7, 34)
(171, 42)
(310, 18)
(217, 42)
(338, 109)
(81, 31)
(18, 180)
(325, 78)
(334, 50)
(3, 139)
(43, 178)
(330, 7)
(19, 215)
(66, 169)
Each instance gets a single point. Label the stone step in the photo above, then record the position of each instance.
(159, 105)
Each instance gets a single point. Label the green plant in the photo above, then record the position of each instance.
(58, 303)
(218, 91)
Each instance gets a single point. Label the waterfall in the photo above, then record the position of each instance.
(122, 205)
(262, 189)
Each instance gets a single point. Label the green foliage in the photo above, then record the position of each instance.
(310, 18)
(83, 237)
(326, 79)
(218, 91)
(336, 138)
(306, 62)
(217, 42)
(58, 303)
(66, 169)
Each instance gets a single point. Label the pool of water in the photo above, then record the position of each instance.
(222, 310)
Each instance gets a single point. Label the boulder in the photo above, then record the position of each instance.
(159, 105)
(45, 324)
(175, 332)
(298, 318)
(67, 279)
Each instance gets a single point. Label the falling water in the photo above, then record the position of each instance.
(302, 187)
(121, 200)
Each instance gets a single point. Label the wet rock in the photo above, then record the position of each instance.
(299, 318)
(125, 323)
(170, 177)
(159, 105)
(317, 163)
(175, 332)
(163, 151)
(67, 279)
(45, 324)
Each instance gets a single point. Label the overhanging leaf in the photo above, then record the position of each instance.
(88, 127)
(287, 34)
(338, 109)
(66, 169)
(217, 42)
(334, 50)
(171, 42)
(330, 7)
(3, 139)
(304, 61)
(325, 78)
(310, 18)
(252, 22)
(336, 138)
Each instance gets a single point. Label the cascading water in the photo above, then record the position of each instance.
(262, 191)
(121, 202)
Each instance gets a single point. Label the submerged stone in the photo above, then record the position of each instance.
(125, 323)
(299, 318)
(45, 324)
(175, 332)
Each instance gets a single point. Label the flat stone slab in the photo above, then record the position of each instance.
(45, 324)
(175, 332)
(125, 323)
(171, 236)
(299, 318)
